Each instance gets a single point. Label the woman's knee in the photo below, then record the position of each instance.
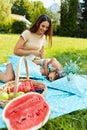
(9, 77)
(9, 73)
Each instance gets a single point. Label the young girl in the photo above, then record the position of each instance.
(31, 44)
(50, 67)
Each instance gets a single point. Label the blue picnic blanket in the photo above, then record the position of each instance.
(62, 95)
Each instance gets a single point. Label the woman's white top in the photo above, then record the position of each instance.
(33, 41)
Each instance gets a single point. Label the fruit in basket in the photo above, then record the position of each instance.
(11, 95)
(27, 112)
(20, 93)
(24, 87)
(4, 96)
(20, 89)
(29, 86)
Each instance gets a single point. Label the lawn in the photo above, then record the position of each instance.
(63, 49)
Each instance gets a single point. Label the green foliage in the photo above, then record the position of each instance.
(22, 7)
(18, 26)
(68, 17)
(81, 29)
(5, 10)
(13, 26)
(6, 27)
(37, 10)
(84, 13)
(31, 10)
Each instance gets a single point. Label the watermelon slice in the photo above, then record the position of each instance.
(27, 112)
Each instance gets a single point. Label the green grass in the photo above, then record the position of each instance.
(63, 49)
(72, 121)
(7, 43)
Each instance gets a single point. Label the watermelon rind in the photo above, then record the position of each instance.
(7, 121)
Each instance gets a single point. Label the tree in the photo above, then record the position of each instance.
(38, 9)
(5, 10)
(81, 30)
(84, 14)
(68, 17)
(22, 7)
(31, 10)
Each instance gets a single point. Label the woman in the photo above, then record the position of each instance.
(31, 44)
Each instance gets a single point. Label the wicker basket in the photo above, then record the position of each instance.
(6, 87)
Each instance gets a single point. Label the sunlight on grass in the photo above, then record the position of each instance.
(63, 48)
(7, 43)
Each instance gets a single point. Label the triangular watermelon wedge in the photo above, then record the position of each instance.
(27, 112)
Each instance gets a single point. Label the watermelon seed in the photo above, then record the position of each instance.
(13, 112)
(37, 113)
(21, 120)
(31, 116)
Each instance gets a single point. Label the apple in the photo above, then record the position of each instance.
(27, 89)
(4, 96)
(20, 93)
(11, 95)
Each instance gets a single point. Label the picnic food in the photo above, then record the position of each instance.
(27, 86)
(23, 87)
(7, 91)
(4, 96)
(27, 112)
(21, 84)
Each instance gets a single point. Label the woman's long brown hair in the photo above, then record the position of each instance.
(37, 23)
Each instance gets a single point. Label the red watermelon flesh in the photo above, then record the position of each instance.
(28, 112)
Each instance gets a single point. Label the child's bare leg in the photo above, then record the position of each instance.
(9, 75)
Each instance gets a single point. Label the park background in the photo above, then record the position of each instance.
(69, 41)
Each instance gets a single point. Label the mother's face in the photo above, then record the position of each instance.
(43, 28)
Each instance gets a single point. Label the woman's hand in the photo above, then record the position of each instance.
(21, 51)
(42, 52)
(39, 53)
(36, 53)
